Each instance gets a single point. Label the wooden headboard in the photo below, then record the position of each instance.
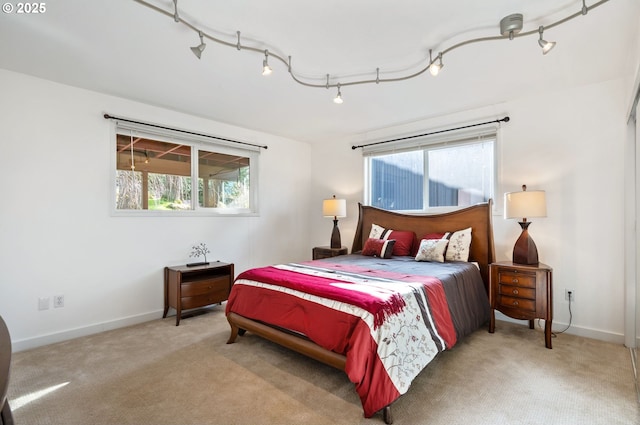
(478, 217)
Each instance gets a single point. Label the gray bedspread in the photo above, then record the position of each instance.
(462, 282)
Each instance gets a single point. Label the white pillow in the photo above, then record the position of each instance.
(459, 245)
(432, 250)
(376, 231)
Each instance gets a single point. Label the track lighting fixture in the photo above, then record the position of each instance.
(546, 45)
(338, 98)
(510, 28)
(434, 68)
(197, 50)
(266, 69)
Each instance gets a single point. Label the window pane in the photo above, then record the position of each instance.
(460, 175)
(152, 175)
(223, 180)
(169, 192)
(128, 190)
(397, 181)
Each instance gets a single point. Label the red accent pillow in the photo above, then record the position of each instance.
(404, 242)
(378, 247)
(433, 236)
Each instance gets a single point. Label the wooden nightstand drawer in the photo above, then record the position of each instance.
(519, 303)
(514, 277)
(205, 286)
(517, 291)
(205, 299)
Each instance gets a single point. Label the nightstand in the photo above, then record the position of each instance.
(328, 252)
(522, 292)
(199, 286)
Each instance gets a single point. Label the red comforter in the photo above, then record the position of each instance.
(388, 325)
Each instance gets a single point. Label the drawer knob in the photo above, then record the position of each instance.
(515, 292)
(515, 303)
(514, 280)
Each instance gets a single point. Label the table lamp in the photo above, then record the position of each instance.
(335, 208)
(523, 205)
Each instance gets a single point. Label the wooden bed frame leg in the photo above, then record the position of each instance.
(386, 414)
(234, 334)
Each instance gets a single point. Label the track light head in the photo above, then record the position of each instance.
(434, 68)
(266, 69)
(197, 50)
(546, 45)
(338, 98)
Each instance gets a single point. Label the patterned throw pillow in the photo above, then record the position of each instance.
(404, 239)
(378, 248)
(432, 250)
(459, 246)
(377, 232)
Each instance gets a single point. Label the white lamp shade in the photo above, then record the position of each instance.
(334, 207)
(525, 204)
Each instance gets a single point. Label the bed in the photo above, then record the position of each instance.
(381, 320)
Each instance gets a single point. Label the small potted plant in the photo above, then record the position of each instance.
(199, 251)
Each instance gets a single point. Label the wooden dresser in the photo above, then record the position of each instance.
(194, 287)
(522, 292)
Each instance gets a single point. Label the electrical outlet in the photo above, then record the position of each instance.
(569, 295)
(43, 303)
(58, 301)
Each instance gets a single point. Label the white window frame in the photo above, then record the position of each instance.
(432, 142)
(196, 142)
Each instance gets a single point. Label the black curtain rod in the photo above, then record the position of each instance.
(110, 117)
(505, 119)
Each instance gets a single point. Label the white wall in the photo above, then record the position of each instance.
(56, 232)
(569, 143)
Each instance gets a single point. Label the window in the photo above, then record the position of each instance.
(424, 174)
(168, 173)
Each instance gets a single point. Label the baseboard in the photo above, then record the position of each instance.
(573, 330)
(29, 343)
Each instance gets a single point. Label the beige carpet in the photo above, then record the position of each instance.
(157, 373)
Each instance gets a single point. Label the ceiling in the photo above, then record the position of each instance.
(123, 48)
